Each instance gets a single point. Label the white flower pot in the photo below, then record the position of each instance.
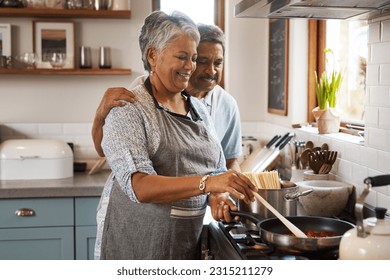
(328, 120)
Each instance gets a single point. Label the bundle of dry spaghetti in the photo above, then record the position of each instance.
(264, 180)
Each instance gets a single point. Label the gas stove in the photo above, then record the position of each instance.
(240, 241)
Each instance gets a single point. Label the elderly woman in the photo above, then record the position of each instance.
(164, 155)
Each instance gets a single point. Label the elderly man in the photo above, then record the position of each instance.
(203, 85)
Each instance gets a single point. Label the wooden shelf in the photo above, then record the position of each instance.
(63, 13)
(11, 71)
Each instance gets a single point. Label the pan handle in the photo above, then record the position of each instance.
(246, 215)
(377, 181)
(297, 194)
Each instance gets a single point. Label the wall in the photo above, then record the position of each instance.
(247, 62)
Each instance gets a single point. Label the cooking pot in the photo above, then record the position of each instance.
(274, 232)
(284, 200)
(371, 238)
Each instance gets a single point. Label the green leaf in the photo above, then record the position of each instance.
(327, 87)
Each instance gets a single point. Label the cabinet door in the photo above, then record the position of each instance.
(85, 213)
(85, 242)
(45, 243)
(85, 210)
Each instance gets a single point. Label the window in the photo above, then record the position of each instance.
(200, 11)
(348, 40)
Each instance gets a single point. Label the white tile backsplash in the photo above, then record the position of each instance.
(374, 34)
(380, 53)
(371, 116)
(372, 75)
(369, 157)
(384, 118)
(379, 96)
(385, 26)
(384, 73)
(377, 138)
(47, 129)
(359, 173)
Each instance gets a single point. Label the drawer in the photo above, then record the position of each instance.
(38, 243)
(85, 208)
(44, 212)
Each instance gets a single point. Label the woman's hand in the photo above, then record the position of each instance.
(221, 205)
(233, 182)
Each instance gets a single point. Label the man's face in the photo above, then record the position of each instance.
(209, 66)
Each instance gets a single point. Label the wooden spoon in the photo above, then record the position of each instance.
(309, 145)
(305, 157)
(296, 231)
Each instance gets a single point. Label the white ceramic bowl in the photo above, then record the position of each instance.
(328, 198)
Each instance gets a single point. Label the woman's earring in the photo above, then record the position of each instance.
(151, 73)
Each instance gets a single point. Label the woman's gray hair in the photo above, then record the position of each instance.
(159, 29)
(212, 34)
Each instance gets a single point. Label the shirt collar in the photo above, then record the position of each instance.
(194, 114)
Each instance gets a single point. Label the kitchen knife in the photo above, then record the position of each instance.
(256, 155)
(260, 167)
(259, 161)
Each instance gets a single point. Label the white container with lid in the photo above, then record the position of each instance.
(23, 159)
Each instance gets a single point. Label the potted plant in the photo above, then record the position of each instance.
(327, 87)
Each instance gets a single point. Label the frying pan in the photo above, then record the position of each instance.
(272, 231)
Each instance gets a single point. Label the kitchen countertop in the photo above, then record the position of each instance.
(81, 184)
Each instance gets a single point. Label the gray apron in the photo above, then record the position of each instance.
(164, 231)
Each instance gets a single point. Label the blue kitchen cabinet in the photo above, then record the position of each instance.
(51, 243)
(39, 229)
(48, 228)
(85, 226)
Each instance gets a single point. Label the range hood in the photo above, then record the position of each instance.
(313, 9)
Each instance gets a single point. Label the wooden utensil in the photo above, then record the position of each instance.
(324, 147)
(97, 166)
(316, 149)
(295, 230)
(316, 160)
(330, 160)
(305, 158)
(309, 145)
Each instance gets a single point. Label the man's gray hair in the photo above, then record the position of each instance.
(212, 34)
(159, 29)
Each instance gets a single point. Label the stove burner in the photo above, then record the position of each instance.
(243, 241)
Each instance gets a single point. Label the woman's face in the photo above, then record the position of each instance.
(176, 63)
(209, 66)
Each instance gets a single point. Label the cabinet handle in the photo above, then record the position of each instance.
(25, 212)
